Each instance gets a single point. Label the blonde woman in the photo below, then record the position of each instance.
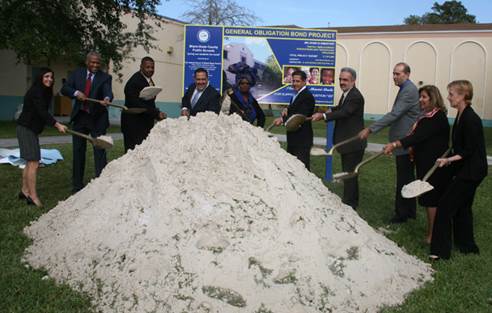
(468, 164)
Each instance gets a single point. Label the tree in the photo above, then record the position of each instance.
(219, 12)
(450, 12)
(42, 31)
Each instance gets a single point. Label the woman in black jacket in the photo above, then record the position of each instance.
(468, 163)
(244, 104)
(428, 140)
(31, 122)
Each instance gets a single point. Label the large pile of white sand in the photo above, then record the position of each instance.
(211, 215)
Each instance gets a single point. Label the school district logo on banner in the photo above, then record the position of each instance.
(203, 35)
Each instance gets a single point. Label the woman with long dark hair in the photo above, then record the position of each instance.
(31, 122)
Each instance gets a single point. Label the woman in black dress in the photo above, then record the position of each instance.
(31, 122)
(244, 104)
(428, 140)
(468, 164)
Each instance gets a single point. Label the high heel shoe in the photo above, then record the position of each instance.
(30, 201)
(21, 196)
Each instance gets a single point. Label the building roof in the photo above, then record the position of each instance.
(403, 28)
(171, 19)
(412, 28)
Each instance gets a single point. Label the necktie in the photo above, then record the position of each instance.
(87, 90)
(194, 100)
(151, 82)
(341, 99)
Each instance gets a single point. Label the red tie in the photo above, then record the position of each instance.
(87, 90)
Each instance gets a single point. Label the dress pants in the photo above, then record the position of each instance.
(405, 173)
(303, 153)
(454, 215)
(85, 123)
(133, 138)
(351, 185)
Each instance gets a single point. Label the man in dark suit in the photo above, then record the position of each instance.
(403, 115)
(299, 142)
(136, 127)
(349, 117)
(88, 117)
(200, 96)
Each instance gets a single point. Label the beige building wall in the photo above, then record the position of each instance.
(13, 76)
(168, 59)
(435, 57)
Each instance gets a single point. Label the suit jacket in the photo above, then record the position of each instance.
(303, 104)
(349, 121)
(35, 111)
(208, 101)
(138, 123)
(402, 116)
(469, 143)
(101, 88)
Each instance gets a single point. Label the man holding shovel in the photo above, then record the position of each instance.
(88, 117)
(401, 118)
(136, 127)
(349, 117)
(300, 141)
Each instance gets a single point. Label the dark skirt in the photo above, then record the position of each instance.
(440, 180)
(28, 144)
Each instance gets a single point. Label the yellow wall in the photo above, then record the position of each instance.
(434, 58)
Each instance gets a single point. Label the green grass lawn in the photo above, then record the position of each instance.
(7, 130)
(462, 285)
(319, 129)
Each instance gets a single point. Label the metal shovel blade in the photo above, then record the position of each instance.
(101, 143)
(294, 122)
(315, 151)
(98, 142)
(419, 187)
(415, 189)
(344, 175)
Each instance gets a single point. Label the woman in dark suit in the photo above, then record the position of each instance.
(31, 122)
(244, 104)
(468, 164)
(428, 140)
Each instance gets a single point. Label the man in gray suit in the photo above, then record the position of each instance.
(349, 117)
(401, 118)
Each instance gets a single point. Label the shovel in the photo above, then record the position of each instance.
(292, 123)
(419, 187)
(98, 142)
(295, 122)
(322, 152)
(338, 177)
(121, 107)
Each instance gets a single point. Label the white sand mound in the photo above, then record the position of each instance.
(211, 215)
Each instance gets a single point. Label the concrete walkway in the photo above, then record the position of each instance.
(49, 140)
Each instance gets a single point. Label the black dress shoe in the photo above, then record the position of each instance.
(29, 201)
(21, 196)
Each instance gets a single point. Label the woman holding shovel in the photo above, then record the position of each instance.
(428, 140)
(468, 164)
(31, 122)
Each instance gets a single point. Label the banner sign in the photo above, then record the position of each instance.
(266, 56)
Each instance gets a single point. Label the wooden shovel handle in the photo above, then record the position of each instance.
(435, 166)
(122, 107)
